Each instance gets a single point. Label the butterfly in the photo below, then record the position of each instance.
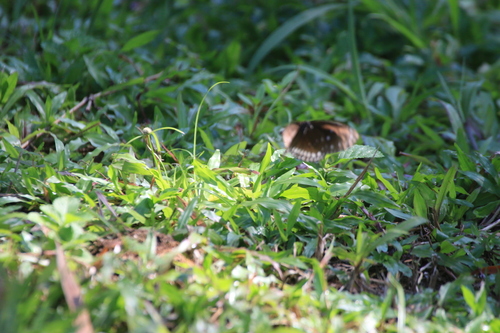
(310, 141)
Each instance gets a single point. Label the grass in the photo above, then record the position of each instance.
(141, 194)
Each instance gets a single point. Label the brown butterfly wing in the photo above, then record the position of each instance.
(310, 141)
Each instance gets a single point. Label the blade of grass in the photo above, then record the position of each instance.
(454, 15)
(286, 29)
(198, 115)
(401, 19)
(401, 303)
(448, 186)
(358, 78)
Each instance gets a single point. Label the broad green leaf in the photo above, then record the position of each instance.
(38, 103)
(58, 101)
(10, 149)
(140, 40)
(214, 161)
(96, 71)
(469, 298)
(236, 148)
(419, 204)
(137, 168)
(447, 247)
(296, 192)
(8, 84)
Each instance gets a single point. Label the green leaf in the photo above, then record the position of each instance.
(236, 148)
(292, 217)
(296, 192)
(376, 199)
(397, 231)
(286, 29)
(481, 300)
(262, 168)
(356, 67)
(455, 120)
(140, 40)
(469, 298)
(97, 73)
(402, 27)
(269, 203)
(281, 226)
(358, 151)
(7, 86)
(419, 204)
(10, 149)
(423, 251)
(447, 187)
(186, 214)
(447, 247)
(38, 103)
(431, 133)
(319, 279)
(214, 161)
(63, 211)
(465, 162)
(182, 113)
(388, 185)
(136, 167)
(454, 15)
(206, 140)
